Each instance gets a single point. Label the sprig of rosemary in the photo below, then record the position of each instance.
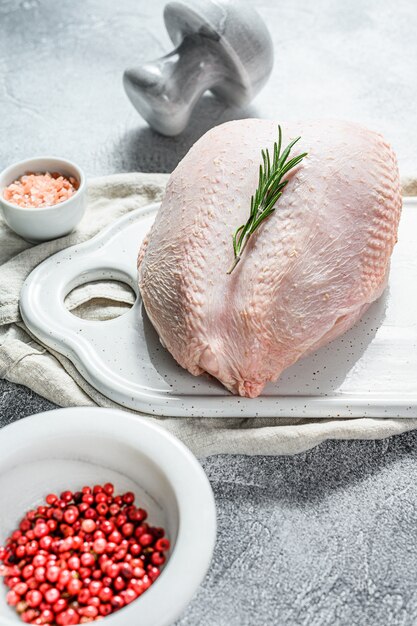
(270, 187)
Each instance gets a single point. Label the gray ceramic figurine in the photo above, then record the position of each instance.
(222, 45)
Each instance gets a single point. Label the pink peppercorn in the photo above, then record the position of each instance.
(73, 563)
(28, 571)
(119, 583)
(115, 537)
(108, 488)
(91, 514)
(105, 594)
(41, 530)
(88, 525)
(64, 577)
(83, 596)
(121, 519)
(68, 618)
(107, 527)
(112, 570)
(162, 545)
(20, 552)
(52, 595)
(111, 547)
(52, 573)
(85, 573)
(77, 542)
(33, 598)
(39, 560)
(98, 534)
(87, 559)
(105, 609)
(71, 514)
(128, 529)
(94, 587)
(129, 498)
(129, 596)
(47, 616)
(74, 586)
(29, 615)
(157, 558)
(12, 597)
(45, 543)
(31, 548)
(99, 546)
(117, 602)
(146, 540)
(89, 611)
(59, 605)
(40, 573)
(79, 557)
(20, 588)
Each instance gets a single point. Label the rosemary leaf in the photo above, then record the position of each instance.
(269, 190)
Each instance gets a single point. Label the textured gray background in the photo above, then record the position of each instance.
(327, 537)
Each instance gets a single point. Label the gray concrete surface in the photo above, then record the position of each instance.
(327, 537)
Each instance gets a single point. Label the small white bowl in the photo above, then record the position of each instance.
(42, 224)
(69, 448)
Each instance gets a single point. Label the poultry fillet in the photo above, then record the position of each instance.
(308, 272)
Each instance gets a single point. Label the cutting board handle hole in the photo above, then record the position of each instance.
(100, 300)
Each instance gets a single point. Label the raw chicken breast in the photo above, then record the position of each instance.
(309, 271)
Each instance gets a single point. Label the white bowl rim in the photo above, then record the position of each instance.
(25, 163)
(167, 598)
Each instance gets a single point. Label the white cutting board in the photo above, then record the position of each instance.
(369, 371)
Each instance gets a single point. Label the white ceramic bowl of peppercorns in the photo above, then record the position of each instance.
(104, 515)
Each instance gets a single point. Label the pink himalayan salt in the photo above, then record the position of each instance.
(37, 190)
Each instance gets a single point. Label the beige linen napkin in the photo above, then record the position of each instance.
(24, 360)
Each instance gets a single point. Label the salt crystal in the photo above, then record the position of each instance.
(39, 190)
